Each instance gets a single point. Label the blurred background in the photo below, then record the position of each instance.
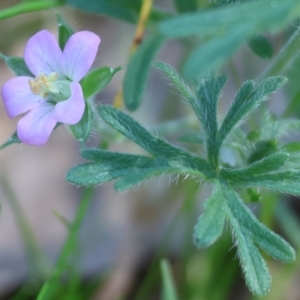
(123, 236)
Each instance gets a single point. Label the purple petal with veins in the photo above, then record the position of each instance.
(71, 110)
(42, 54)
(36, 126)
(17, 96)
(79, 54)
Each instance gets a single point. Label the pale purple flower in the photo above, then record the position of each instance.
(54, 95)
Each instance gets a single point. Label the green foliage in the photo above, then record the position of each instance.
(17, 65)
(137, 72)
(267, 168)
(261, 46)
(96, 80)
(64, 31)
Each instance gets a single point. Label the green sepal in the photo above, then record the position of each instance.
(96, 80)
(64, 31)
(12, 140)
(82, 130)
(17, 65)
(261, 46)
(210, 224)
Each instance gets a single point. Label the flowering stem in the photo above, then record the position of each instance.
(138, 37)
(27, 7)
(50, 287)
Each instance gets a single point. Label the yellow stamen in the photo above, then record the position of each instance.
(42, 84)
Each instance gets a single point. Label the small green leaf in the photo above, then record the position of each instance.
(12, 140)
(168, 291)
(64, 31)
(246, 100)
(17, 65)
(96, 80)
(81, 131)
(138, 69)
(210, 224)
(261, 46)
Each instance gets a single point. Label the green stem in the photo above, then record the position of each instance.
(285, 57)
(34, 253)
(27, 7)
(50, 287)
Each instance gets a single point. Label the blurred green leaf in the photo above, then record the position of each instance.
(17, 65)
(208, 57)
(210, 224)
(291, 147)
(186, 5)
(96, 80)
(168, 290)
(137, 72)
(261, 46)
(12, 140)
(64, 31)
(126, 10)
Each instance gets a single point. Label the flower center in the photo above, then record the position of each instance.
(44, 85)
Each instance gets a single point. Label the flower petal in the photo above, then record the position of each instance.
(36, 126)
(17, 96)
(71, 110)
(42, 54)
(79, 54)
